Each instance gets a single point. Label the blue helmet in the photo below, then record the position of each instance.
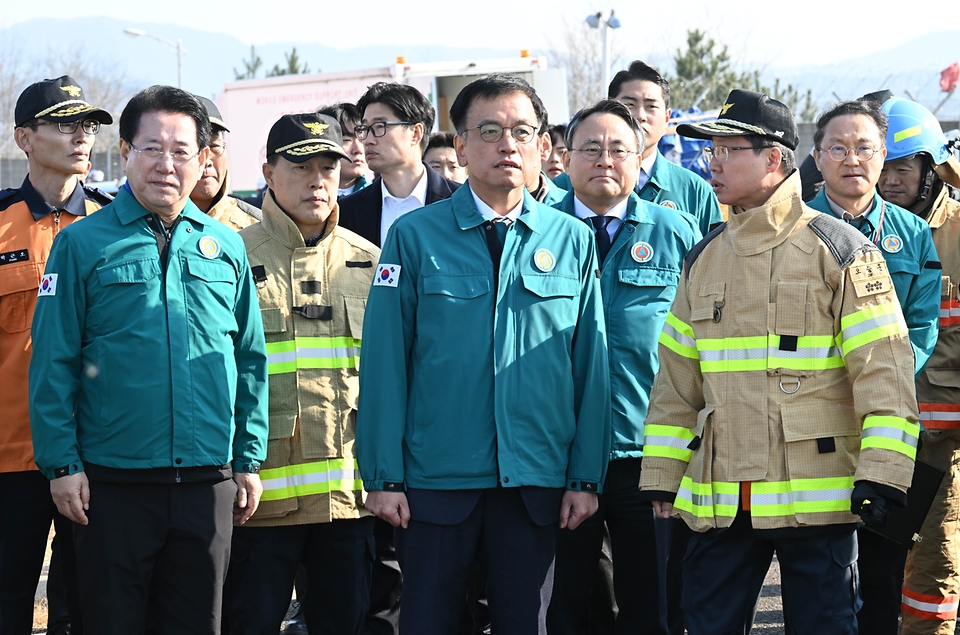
(913, 130)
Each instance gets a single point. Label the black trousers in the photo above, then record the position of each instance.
(383, 616)
(634, 550)
(155, 554)
(724, 569)
(338, 561)
(881, 564)
(516, 550)
(25, 521)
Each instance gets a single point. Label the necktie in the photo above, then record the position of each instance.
(501, 227)
(603, 237)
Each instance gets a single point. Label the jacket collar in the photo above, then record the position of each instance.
(759, 229)
(943, 208)
(636, 212)
(75, 204)
(280, 226)
(129, 209)
(467, 216)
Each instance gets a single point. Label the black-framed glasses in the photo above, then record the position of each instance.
(378, 129)
(840, 153)
(154, 153)
(217, 150)
(592, 153)
(492, 132)
(722, 153)
(90, 126)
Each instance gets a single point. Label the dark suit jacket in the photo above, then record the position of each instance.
(361, 211)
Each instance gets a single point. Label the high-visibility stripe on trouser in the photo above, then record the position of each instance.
(949, 313)
(890, 433)
(801, 496)
(708, 500)
(763, 352)
(312, 352)
(929, 607)
(671, 442)
(939, 416)
(306, 479)
(869, 325)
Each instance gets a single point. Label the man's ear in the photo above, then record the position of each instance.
(460, 147)
(267, 170)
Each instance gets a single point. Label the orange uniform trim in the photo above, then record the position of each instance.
(940, 416)
(929, 607)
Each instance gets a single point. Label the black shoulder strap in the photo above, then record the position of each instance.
(97, 195)
(694, 253)
(844, 242)
(250, 210)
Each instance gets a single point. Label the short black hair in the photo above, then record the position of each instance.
(870, 109)
(344, 112)
(788, 162)
(610, 106)
(490, 86)
(164, 99)
(639, 70)
(440, 140)
(557, 133)
(408, 103)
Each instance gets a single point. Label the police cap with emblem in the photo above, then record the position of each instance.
(216, 119)
(57, 100)
(301, 137)
(748, 113)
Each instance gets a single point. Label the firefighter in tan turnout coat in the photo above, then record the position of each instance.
(785, 397)
(312, 280)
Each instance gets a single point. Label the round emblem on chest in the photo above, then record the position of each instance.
(209, 247)
(544, 260)
(892, 243)
(642, 252)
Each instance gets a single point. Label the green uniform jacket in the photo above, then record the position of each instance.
(907, 245)
(674, 187)
(464, 382)
(135, 367)
(638, 283)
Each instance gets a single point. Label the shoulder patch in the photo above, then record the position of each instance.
(844, 242)
(9, 197)
(694, 253)
(97, 195)
(250, 210)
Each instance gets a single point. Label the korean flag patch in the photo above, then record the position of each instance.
(387, 276)
(48, 285)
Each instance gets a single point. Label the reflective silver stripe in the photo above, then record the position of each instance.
(299, 480)
(662, 441)
(800, 496)
(327, 353)
(732, 354)
(279, 358)
(889, 432)
(812, 352)
(941, 415)
(708, 500)
(685, 340)
(858, 329)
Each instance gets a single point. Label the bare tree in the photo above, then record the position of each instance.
(581, 54)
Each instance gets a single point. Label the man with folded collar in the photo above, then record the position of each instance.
(396, 121)
(210, 194)
(641, 248)
(312, 280)
(784, 407)
(56, 128)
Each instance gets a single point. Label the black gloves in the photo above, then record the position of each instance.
(872, 502)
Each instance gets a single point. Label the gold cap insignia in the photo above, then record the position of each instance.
(73, 91)
(316, 128)
(725, 108)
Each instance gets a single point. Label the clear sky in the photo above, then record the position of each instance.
(789, 33)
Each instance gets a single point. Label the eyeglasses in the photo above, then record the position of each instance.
(722, 153)
(492, 132)
(378, 129)
(840, 153)
(90, 126)
(153, 153)
(592, 153)
(217, 150)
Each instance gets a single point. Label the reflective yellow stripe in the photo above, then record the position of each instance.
(306, 479)
(869, 325)
(678, 337)
(801, 496)
(762, 352)
(667, 441)
(708, 500)
(890, 433)
(312, 352)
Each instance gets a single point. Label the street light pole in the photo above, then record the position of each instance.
(176, 46)
(596, 21)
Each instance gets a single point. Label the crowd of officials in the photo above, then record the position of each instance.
(589, 402)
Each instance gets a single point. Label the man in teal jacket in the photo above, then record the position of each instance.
(858, 129)
(641, 247)
(148, 383)
(484, 412)
(849, 151)
(646, 94)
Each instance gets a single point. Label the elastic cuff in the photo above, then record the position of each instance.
(65, 470)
